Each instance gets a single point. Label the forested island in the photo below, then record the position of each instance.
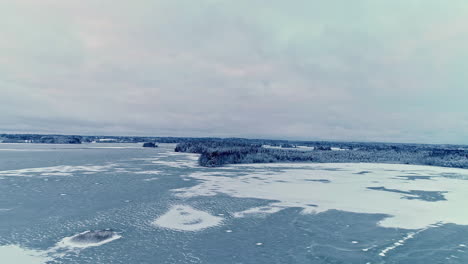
(150, 145)
(233, 151)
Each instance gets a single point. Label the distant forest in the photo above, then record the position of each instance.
(221, 151)
(236, 151)
(78, 139)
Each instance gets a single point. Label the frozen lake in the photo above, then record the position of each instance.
(120, 203)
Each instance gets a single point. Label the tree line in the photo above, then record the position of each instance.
(221, 152)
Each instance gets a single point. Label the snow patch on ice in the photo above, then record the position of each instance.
(63, 170)
(73, 244)
(151, 179)
(270, 209)
(88, 239)
(400, 242)
(18, 255)
(186, 218)
(148, 172)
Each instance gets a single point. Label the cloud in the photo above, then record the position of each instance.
(360, 70)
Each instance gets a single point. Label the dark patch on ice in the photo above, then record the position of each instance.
(194, 222)
(413, 178)
(332, 169)
(319, 180)
(429, 196)
(362, 172)
(257, 178)
(453, 176)
(93, 236)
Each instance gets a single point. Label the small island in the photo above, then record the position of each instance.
(150, 145)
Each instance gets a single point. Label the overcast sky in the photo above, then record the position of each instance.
(364, 70)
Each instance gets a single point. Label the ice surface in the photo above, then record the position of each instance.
(177, 163)
(182, 160)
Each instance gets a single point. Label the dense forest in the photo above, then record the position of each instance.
(230, 151)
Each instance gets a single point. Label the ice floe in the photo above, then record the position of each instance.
(88, 239)
(383, 189)
(73, 244)
(186, 218)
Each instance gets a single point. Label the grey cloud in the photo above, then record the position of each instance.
(361, 70)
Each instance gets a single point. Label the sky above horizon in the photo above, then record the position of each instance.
(364, 70)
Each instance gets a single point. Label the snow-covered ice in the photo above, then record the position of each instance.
(342, 186)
